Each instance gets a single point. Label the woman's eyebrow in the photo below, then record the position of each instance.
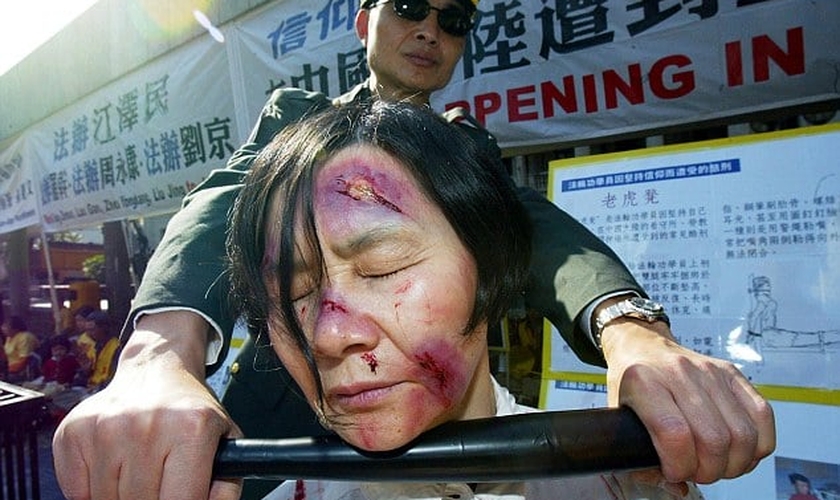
(382, 235)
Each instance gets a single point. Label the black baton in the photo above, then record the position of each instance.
(511, 448)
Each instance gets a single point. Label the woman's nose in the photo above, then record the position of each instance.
(343, 327)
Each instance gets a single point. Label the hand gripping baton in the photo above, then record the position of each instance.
(512, 448)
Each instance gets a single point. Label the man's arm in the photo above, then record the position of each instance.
(187, 270)
(570, 269)
(706, 420)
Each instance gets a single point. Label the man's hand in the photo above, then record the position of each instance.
(706, 420)
(153, 432)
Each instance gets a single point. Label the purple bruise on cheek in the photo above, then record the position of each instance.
(444, 369)
(434, 370)
(370, 359)
(362, 188)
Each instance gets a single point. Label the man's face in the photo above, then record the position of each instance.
(408, 59)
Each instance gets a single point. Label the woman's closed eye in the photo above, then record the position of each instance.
(381, 273)
(382, 267)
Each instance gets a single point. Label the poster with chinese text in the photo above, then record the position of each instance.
(738, 238)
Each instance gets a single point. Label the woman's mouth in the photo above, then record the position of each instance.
(363, 396)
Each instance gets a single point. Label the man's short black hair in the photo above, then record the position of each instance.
(369, 4)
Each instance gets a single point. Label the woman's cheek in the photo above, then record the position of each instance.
(294, 362)
(431, 303)
(442, 369)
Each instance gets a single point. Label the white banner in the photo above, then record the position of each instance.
(137, 146)
(555, 73)
(18, 195)
(310, 45)
(561, 72)
(546, 72)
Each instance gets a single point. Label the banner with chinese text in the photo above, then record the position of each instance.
(18, 198)
(563, 72)
(560, 73)
(136, 147)
(738, 238)
(550, 73)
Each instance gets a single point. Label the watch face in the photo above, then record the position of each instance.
(647, 305)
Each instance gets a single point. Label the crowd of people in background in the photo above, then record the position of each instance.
(67, 366)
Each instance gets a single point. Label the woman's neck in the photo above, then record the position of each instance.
(480, 399)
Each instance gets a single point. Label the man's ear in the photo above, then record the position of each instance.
(362, 17)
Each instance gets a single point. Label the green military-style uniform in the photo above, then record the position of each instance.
(570, 268)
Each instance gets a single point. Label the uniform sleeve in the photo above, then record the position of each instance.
(187, 269)
(570, 266)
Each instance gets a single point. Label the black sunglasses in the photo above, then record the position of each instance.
(452, 20)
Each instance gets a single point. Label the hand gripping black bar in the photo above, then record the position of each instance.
(512, 448)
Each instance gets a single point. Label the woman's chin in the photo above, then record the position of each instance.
(387, 430)
(377, 440)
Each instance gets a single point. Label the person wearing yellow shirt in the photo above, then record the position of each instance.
(19, 347)
(103, 354)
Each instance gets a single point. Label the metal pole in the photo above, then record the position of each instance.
(512, 448)
(56, 310)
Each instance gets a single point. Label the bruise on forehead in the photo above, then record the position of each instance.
(363, 188)
(368, 179)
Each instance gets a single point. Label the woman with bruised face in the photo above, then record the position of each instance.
(373, 245)
(374, 254)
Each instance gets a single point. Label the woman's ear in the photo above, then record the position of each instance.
(362, 18)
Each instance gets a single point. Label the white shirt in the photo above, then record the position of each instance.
(617, 486)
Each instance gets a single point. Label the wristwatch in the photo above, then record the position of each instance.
(635, 308)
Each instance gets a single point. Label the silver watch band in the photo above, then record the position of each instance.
(633, 308)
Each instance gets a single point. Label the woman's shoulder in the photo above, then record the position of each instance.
(596, 487)
(318, 490)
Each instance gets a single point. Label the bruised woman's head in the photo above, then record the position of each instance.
(471, 188)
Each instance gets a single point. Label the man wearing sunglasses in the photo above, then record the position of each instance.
(455, 20)
(155, 427)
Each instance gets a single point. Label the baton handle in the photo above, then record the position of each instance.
(511, 448)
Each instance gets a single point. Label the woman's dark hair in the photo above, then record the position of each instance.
(471, 188)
